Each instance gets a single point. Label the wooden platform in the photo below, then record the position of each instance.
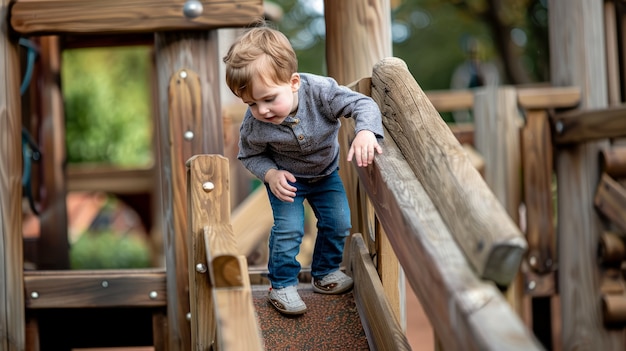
(331, 322)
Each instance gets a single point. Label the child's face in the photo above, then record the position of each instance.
(273, 103)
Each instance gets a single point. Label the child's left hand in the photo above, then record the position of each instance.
(363, 147)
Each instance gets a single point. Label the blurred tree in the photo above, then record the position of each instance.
(107, 105)
(430, 35)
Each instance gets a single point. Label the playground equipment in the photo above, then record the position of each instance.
(421, 202)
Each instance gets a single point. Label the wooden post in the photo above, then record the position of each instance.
(577, 50)
(190, 124)
(53, 244)
(12, 318)
(358, 36)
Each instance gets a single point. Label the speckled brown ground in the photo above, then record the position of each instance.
(331, 322)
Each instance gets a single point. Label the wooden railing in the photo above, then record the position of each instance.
(452, 237)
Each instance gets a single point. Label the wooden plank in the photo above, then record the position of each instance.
(12, 316)
(208, 201)
(497, 124)
(97, 288)
(610, 200)
(467, 313)
(236, 315)
(576, 30)
(110, 179)
(491, 240)
(537, 169)
(538, 98)
(224, 302)
(451, 100)
(612, 53)
(378, 318)
(53, 244)
(189, 124)
(30, 17)
(587, 125)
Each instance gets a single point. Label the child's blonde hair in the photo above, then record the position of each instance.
(261, 53)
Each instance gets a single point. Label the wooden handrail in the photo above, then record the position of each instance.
(491, 241)
(434, 251)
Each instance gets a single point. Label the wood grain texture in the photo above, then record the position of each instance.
(579, 126)
(12, 312)
(459, 305)
(188, 102)
(575, 54)
(220, 295)
(538, 176)
(613, 161)
(30, 17)
(203, 206)
(610, 201)
(379, 320)
(95, 288)
(492, 242)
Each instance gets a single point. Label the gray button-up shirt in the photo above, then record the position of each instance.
(306, 144)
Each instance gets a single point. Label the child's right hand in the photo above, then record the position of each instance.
(279, 184)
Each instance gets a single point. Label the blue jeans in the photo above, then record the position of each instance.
(327, 198)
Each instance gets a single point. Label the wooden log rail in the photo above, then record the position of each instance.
(219, 284)
(36, 17)
(449, 233)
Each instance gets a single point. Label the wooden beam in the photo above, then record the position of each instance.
(451, 100)
(110, 179)
(95, 288)
(548, 97)
(589, 125)
(491, 240)
(220, 293)
(467, 313)
(12, 318)
(379, 321)
(36, 17)
(537, 171)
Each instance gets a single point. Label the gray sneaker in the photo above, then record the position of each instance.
(336, 282)
(287, 300)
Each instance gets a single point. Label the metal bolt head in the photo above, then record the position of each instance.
(559, 127)
(183, 74)
(34, 295)
(188, 135)
(192, 8)
(208, 186)
(532, 285)
(188, 316)
(153, 295)
(200, 268)
(105, 284)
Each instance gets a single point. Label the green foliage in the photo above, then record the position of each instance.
(107, 105)
(109, 250)
(431, 35)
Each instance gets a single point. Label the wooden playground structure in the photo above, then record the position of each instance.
(440, 209)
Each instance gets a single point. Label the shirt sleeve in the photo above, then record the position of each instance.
(344, 102)
(253, 155)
